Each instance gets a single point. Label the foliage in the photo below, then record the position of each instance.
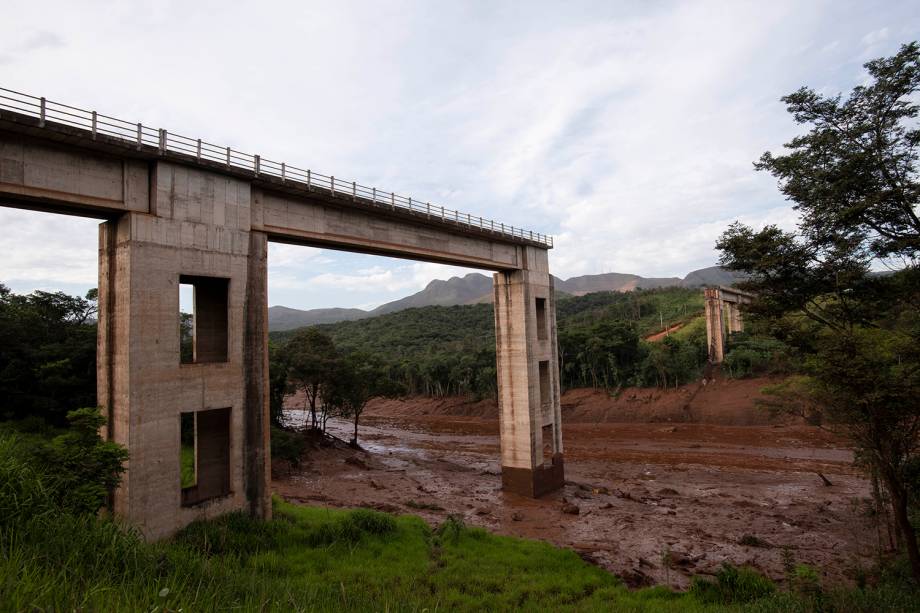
(757, 356)
(353, 381)
(733, 585)
(311, 359)
(853, 177)
(47, 354)
(279, 384)
(79, 467)
(439, 351)
(286, 445)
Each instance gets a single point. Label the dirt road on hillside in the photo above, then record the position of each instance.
(657, 502)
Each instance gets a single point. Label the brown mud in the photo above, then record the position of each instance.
(657, 500)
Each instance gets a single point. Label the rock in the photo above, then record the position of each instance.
(582, 495)
(570, 508)
(517, 516)
(607, 505)
(482, 511)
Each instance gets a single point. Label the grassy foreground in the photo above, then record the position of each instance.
(320, 559)
(53, 558)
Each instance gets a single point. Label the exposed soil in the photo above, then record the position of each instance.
(657, 336)
(680, 475)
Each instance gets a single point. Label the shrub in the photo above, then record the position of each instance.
(752, 356)
(82, 468)
(354, 526)
(286, 445)
(733, 585)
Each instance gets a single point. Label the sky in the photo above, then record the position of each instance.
(627, 130)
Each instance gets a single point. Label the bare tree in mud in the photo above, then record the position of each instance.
(854, 179)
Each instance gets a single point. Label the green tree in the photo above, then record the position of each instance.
(85, 468)
(853, 177)
(312, 359)
(47, 354)
(279, 385)
(358, 378)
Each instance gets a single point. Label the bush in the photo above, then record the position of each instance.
(287, 445)
(752, 356)
(82, 468)
(354, 526)
(733, 585)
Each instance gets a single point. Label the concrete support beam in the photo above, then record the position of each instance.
(528, 379)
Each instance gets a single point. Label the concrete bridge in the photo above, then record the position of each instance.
(179, 210)
(723, 317)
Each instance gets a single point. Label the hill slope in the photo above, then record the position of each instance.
(476, 288)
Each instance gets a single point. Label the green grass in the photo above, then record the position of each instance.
(316, 559)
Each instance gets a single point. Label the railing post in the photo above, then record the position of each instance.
(428, 209)
(457, 217)
(256, 163)
(393, 200)
(410, 203)
(354, 191)
(228, 157)
(469, 220)
(332, 185)
(283, 172)
(374, 192)
(493, 225)
(198, 150)
(41, 112)
(140, 137)
(309, 180)
(162, 144)
(94, 125)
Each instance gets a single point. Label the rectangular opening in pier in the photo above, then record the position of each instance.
(210, 454)
(548, 433)
(187, 461)
(545, 389)
(541, 319)
(203, 336)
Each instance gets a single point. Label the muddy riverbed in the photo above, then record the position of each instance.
(657, 502)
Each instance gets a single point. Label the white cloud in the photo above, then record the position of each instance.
(625, 129)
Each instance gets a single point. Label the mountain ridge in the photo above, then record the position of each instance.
(474, 288)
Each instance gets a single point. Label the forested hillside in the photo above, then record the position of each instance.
(451, 350)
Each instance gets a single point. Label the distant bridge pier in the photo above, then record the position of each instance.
(723, 316)
(528, 378)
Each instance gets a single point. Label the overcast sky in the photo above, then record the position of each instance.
(625, 129)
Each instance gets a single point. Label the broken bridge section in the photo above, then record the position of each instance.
(175, 212)
(723, 317)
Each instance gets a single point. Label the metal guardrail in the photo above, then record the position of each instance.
(140, 135)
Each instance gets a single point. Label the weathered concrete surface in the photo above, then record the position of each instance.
(170, 219)
(723, 316)
(528, 394)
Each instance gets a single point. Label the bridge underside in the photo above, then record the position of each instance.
(169, 221)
